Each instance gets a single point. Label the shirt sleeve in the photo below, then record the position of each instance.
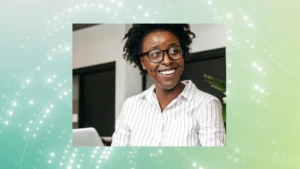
(121, 135)
(212, 130)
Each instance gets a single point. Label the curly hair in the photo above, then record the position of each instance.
(135, 36)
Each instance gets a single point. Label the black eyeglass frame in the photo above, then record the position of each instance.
(163, 54)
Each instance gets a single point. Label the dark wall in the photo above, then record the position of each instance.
(97, 98)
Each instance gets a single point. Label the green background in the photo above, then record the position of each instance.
(262, 81)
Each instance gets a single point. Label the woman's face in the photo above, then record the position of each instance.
(162, 40)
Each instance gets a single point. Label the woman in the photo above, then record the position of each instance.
(171, 112)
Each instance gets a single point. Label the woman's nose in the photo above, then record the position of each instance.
(166, 60)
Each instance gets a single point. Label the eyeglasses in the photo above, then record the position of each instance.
(157, 55)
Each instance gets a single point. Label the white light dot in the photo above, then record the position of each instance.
(99, 161)
(229, 65)
(258, 100)
(14, 104)
(146, 14)
(133, 17)
(108, 9)
(140, 6)
(120, 4)
(100, 6)
(69, 167)
(34, 135)
(52, 154)
(250, 24)
(245, 17)
(209, 2)
(49, 161)
(259, 69)
(262, 90)
(194, 164)
(47, 110)
(49, 80)
(254, 64)
(67, 48)
(228, 15)
(6, 122)
(73, 155)
(60, 164)
(256, 87)
(27, 129)
(30, 122)
(10, 113)
(78, 166)
(71, 161)
(201, 168)
(41, 122)
(27, 81)
(229, 38)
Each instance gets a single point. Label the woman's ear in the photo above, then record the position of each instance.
(142, 62)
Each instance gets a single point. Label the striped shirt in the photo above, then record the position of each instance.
(194, 118)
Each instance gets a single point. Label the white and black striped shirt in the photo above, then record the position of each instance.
(194, 118)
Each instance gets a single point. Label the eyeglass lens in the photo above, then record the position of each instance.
(157, 55)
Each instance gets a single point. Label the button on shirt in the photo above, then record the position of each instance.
(194, 118)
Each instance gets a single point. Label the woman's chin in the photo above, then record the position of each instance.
(168, 84)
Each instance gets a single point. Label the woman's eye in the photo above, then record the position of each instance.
(174, 51)
(155, 54)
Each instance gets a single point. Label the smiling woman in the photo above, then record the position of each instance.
(171, 112)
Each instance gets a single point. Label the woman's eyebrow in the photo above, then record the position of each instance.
(157, 46)
(173, 44)
(154, 47)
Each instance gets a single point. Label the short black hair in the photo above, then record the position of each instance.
(135, 36)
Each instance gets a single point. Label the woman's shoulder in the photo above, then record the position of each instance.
(204, 97)
(135, 98)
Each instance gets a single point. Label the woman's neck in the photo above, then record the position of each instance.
(165, 96)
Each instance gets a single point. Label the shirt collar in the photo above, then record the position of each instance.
(186, 93)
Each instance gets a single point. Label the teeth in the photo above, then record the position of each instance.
(167, 72)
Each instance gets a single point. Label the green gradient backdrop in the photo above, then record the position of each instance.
(262, 78)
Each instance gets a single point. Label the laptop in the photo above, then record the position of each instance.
(86, 137)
